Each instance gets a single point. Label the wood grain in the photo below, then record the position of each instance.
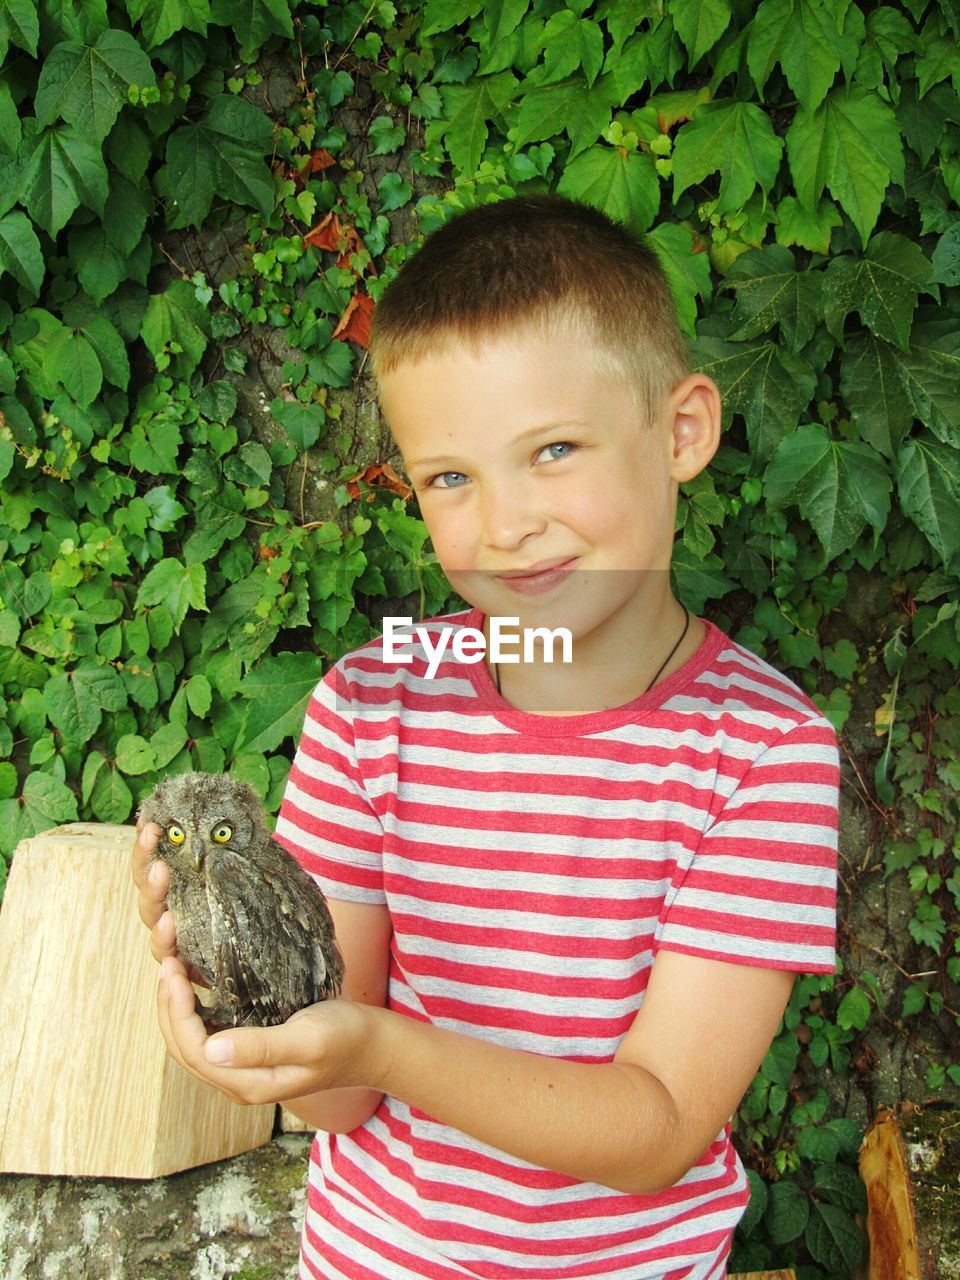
(86, 1084)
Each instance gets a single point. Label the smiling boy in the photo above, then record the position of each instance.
(571, 896)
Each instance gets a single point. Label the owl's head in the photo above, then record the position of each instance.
(201, 814)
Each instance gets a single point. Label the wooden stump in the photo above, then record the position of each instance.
(764, 1275)
(86, 1084)
(911, 1169)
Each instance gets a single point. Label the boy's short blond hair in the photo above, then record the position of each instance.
(540, 262)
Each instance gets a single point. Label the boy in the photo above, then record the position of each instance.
(570, 896)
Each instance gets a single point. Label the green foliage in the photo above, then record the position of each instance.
(166, 601)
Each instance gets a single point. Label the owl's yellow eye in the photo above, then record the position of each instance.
(175, 834)
(222, 833)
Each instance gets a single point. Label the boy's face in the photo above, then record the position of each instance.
(546, 497)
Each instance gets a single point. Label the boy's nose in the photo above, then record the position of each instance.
(509, 515)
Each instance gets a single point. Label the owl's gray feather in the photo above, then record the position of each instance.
(248, 918)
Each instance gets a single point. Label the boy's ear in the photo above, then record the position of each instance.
(693, 415)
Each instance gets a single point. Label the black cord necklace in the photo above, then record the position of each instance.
(662, 668)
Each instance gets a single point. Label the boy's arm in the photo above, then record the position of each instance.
(636, 1124)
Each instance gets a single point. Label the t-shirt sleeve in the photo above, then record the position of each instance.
(761, 887)
(327, 819)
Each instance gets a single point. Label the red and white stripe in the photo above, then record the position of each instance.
(533, 866)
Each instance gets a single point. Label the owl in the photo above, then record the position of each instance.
(249, 919)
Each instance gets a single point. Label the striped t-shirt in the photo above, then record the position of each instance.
(533, 866)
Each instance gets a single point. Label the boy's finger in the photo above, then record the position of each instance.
(144, 852)
(290, 1044)
(163, 937)
(181, 1027)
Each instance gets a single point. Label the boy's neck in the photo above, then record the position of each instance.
(606, 671)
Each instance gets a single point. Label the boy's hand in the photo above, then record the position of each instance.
(152, 880)
(315, 1049)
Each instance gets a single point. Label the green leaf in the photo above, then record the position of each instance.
(699, 580)
(834, 1239)
(223, 521)
(809, 230)
(881, 287)
(687, 268)
(500, 20)
(923, 118)
(930, 372)
(839, 487)
(111, 799)
(838, 1183)
(468, 112)
(250, 465)
(939, 60)
(302, 422)
(759, 1198)
(623, 184)
(841, 659)
(441, 15)
(278, 691)
(175, 586)
(804, 37)
(700, 24)
(393, 192)
(570, 43)
(550, 110)
(66, 20)
(44, 803)
(735, 138)
(946, 257)
(872, 387)
(20, 252)
(253, 21)
(819, 1145)
(11, 131)
(75, 700)
(62, 169)
(19, 25)
(74, 363)
(110, 348)
(161, 19)
(222, 154)
(853, 1012)
(928, 486)
(386, 136)
(199, 695)
(787, 1212)
(88, 85)
(768, 386)
(771, 291)
(852, 145)
(135, 755)
(176, 316)
(167, 742)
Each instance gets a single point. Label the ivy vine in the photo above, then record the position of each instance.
(186, 542)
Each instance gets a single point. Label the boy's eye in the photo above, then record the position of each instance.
(552, 452)
(447, 480)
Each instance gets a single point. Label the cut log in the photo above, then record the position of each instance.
(911, 1169)
(764, 1275)
(86, 1084)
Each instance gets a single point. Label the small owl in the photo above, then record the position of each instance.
(249, 918)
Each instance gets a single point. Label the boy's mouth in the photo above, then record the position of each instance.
(538, 578)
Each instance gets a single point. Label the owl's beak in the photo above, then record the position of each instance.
(198, 856)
